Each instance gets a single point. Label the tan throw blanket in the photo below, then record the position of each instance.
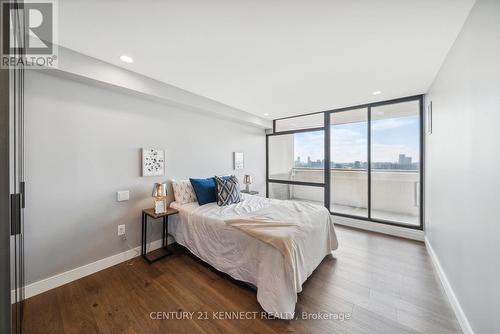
(285, 226)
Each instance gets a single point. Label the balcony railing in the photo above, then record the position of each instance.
(395, 193)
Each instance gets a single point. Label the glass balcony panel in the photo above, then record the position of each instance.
(297, 193)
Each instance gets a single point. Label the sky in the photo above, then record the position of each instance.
(390, 137)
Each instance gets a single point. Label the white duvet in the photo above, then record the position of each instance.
(202, 229)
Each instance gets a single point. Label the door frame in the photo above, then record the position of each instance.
(368, 107)
(5, 279)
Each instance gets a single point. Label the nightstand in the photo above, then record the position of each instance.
(250, 192)
(151, 213)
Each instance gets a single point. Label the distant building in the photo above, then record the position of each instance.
(404, 161)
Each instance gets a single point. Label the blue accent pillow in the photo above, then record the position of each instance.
(205, 189)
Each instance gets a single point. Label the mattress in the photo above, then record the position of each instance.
(203, 231)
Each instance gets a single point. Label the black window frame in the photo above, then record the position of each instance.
(282, 133)
(327, 167)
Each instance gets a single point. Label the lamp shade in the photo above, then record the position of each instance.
(159, 190)
(247, 179)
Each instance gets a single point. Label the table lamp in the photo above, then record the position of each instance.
(247, 180)
(159, 193)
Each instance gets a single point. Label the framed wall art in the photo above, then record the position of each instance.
(239, 161)
(153, 162)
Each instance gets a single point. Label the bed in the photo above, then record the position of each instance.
(205, 232)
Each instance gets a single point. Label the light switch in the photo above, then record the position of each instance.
(121, 229)
(122, 195)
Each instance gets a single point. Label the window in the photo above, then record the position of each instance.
(361, 162)
(300, 122)
(297, 156)
(296, 165)
(349, 162)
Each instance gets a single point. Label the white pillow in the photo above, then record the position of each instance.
(183, 191)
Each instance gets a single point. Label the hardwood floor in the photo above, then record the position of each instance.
(386, 284)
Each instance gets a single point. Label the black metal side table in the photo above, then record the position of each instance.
(151, 213)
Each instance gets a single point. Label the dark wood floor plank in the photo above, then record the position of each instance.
(76, 311)
(385, 285)
(110, 300)
(42, 314)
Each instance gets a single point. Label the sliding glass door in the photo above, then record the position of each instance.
(349, 162)
(395, 162)
(375, 162)
(361, 162)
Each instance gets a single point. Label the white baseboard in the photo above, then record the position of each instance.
(55, 281)
(459, 312)
(396, 231)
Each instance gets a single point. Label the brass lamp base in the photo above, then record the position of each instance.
(160, 205)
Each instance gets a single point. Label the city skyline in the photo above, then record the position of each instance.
(404, 163)
(390, 138)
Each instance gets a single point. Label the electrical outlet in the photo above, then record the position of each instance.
(121, 229)
(122, 195)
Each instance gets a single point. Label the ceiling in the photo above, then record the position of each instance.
(272, 58)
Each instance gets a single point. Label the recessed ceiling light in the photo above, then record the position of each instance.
(126, 59)
(377, 92)
(265, 114)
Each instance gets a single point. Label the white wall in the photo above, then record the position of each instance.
(73, 64)
(281, 156)
(462, 168)
(83, 144)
